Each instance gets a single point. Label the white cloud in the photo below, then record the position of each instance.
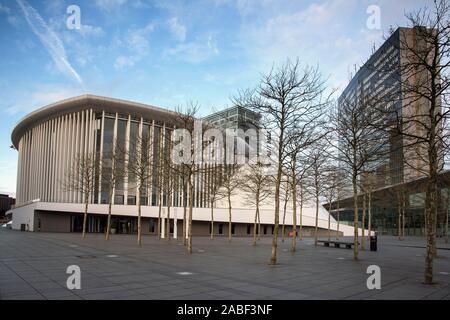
(12, 19)
(177, 29)
(49, 39)
(137, 43)
(4, 9)
(88, 30)
(41, 95)
(109, 5)
(194, 52)
(123, 62)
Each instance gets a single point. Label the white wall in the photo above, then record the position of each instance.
(24, 215)
(239, 215)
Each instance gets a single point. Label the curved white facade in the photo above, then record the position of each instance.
(45, 154)
(49, 139)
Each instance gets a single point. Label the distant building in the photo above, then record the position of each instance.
(380, 79)
(6, 202)
(234, 118)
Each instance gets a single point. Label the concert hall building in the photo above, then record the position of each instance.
(50, 138)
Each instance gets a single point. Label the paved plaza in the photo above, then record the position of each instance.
(33, 266)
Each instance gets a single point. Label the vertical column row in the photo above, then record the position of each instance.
(46, 154)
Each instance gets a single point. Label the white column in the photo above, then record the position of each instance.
(75, 149)
(64, 159)
(127, 151)
(114, 144)
(102, 132)
(44, 162)
(150, 186)
(175, 229)
(163, 223)
(70, 155)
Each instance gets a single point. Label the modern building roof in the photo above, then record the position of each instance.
(83, 102)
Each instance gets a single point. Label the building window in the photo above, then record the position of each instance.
(233, 229)
(249, 229)
(131, 200)
(118, 199)
(265, 229)
(220, 228)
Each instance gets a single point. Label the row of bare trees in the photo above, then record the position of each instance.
(318, 148)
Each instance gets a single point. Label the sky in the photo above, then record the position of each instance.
(169, 52)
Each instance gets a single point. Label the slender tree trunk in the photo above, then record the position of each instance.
(255, 226)
(212, 220)
(168, 217)
(403, 215)
(446, 216)
(301, 218)
(338, 217)
(399, 209)
(191, 204)
(139, 222)
(184, 219)
(259, 225)
(294, 215)
(229, 216)
(108, 224)
(363, 222)
(273, 257)
(256, 217)
(431, 210)
(329, 222)
(86, 204)
(317, 219)
(284, 220)
(159, 212)
(355, 216)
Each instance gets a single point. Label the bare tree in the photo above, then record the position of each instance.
(229, 186)
(356, 125)
(285, 97)
(186, 142)
(81, 178)
(303, 170)
(256, 183)
(214, 173)
(332, 181)
(112, 171)
(317, 182)
(168, 179)
(139, 166)
(424, 94)
(285, 197)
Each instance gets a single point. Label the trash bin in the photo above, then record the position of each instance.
(373, 243)
(22, 227)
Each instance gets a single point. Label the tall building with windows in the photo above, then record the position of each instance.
(50, 139)
(378, 83)
(391, 80)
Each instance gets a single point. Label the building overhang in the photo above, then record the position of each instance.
(88, 101)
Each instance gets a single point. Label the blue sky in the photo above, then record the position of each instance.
(166, 53)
